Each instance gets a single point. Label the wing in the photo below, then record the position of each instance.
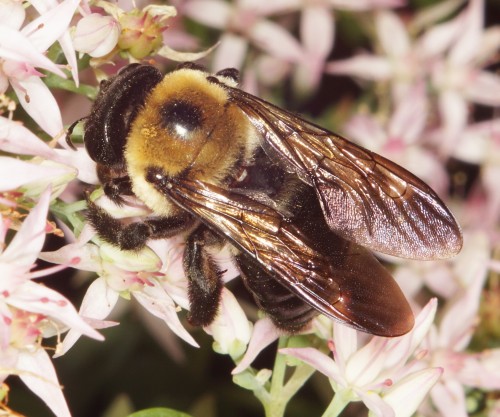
(350, 286)
(365, 198)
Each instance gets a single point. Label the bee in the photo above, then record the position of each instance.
(301, 207)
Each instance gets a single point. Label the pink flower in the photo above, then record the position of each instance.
(22, 51)
(403, 61)
(121, 274)
(379, 373)
(29, 310)
(243, 23)
(263, 334)
(449, 57)
(459, 77)
(447, 344)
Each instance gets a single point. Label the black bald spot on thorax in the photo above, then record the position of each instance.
(181, 118)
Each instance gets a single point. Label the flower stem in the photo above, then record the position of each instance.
(338, 403)
(280, 393)
(276, 402)
(54, 81)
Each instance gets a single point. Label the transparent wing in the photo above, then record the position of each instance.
(365, 198)
(350, 286)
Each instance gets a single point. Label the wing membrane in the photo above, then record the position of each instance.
(365, 198)
(350, 286)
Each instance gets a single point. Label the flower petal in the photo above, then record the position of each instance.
(481, 370)
(346, 343)
(484, 88)
(449, 399)
(28, 241)
(213, 13)
(453, 110)
(12, 14)
(423, 323)
(490, 43)
(158, 302)
(40, 377)
(231, 52)
(50, 26)
(43, 6)
(70, 54)
(392, 34)
(276, 41)
(85, 257)
(81, 160)
(317, 360)
(40, 104)
(231, 329)
(17, 139)
(98, 302)
(409, 392)
(410, 116)
(468, 42)
(20, 49)
(438, 38)
(364, 365)
(317, 30)
(375, 404)
(40, 299)
(359, 5)
(179, 56)
(459, 322)
(264, 333)
(368, 67)
(26, 173)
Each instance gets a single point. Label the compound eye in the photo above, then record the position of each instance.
(181, 118)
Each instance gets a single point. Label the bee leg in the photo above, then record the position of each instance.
(116, 182)
(287, 311)
(116, 188)
(205, 277)
(134, 236)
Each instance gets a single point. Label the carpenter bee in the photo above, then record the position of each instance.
(300, 206)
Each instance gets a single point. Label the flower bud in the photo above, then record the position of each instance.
(141, 33)
(96, 35)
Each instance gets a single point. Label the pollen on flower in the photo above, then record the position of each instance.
(51, 227)
(8, 104)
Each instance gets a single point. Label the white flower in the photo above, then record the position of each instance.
(378, 373)
(231, 329)
(22, 51)
(29, 310)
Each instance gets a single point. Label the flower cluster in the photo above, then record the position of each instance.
(429, 100)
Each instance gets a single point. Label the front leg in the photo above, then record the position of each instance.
(134, 236)
(115, 182)
(205, 277)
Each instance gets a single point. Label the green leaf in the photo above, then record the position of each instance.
(159, 412)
